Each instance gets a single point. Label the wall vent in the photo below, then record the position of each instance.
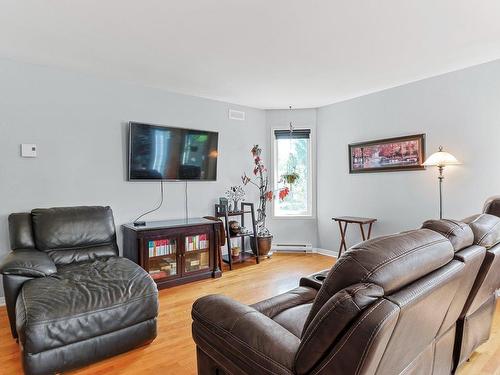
(236, 115)
(293, 247)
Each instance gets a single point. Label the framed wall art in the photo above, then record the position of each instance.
(388, 155)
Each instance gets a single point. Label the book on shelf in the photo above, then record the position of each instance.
(161, 247)
(198, 242)
(158, 275)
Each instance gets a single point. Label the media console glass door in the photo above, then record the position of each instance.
(162, 254)
(172, 256)
(196, 251)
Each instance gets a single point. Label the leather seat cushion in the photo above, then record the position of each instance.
(293, 319)
(84, 300)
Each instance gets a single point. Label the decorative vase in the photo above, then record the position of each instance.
(235, 205)
(264, 243)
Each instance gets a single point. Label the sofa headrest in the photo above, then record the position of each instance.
(390, 262)
(486, 229)
(458, 233)
(72, 227)
(492, 206)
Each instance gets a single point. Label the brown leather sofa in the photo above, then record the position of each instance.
(390, 305)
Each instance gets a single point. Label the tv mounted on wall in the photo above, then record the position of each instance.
(169, 153)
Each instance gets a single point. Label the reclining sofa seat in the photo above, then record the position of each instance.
(475, 322)
(388, 306)
(70, 299)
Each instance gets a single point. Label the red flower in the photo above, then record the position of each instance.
(255, 170)
(269, 195)
(283, 193)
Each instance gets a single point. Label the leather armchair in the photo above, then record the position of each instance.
(70, 298)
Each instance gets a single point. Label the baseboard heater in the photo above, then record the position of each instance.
(292, 247)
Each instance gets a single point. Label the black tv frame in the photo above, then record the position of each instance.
(166, 179)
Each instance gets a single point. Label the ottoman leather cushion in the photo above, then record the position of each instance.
(83, 300)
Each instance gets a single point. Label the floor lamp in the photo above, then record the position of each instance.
(441, 159)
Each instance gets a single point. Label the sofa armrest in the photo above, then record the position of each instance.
(27, 262)
(238, 336)
(315, 280)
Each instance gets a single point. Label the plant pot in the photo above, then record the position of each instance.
(264, 243)
(235, 251)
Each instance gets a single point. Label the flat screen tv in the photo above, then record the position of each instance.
(168, 153)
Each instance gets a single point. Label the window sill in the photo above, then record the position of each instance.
(294, 217)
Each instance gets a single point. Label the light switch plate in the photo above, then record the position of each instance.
(28, 150)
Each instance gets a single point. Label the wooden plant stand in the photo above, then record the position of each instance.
(246, 209)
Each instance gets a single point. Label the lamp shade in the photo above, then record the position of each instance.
(441, 159)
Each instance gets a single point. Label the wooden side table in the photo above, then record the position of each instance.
(345, 220)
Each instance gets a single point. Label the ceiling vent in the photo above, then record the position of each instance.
(236, 115)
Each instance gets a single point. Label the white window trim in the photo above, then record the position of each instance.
(312, 166)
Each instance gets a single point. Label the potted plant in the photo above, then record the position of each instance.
(261, 182)
(290, 178)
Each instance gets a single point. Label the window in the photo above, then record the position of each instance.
(292, 153)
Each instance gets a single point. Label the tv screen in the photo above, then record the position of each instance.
(168, 153)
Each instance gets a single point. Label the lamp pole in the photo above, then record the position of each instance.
(441, 178)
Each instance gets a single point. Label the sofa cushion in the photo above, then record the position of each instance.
(331, 321)
(458, 233)
(486, 229)
(74, 234)
(294, 318)
(82, 301)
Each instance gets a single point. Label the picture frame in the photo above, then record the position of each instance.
(388, 155)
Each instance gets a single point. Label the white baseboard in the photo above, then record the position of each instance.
(330, 253)
(2, 301)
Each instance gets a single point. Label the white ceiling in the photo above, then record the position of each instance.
(261, 53)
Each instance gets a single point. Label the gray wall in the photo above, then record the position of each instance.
(460, 111)
(78, 123)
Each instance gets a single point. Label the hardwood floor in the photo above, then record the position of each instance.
(173, 351)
